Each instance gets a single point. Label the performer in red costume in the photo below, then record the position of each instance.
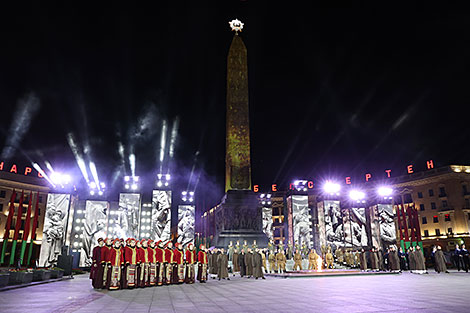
(105, 251)
(96, 271)
(169, 262)
(144, 264)
(140, 266)
(123, 269)
(115, 262)
(202, 264)
(131, 258)
(152, 263)
(190, 261)
(160, 260)
(178, 256)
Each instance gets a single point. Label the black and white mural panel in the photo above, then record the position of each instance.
(161, 215)
(55, 222)
(94, 227)
(186, 221)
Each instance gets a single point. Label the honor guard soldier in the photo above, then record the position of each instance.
(297, 260)
(281, 261)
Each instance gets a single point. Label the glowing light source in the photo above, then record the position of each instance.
(357, 195)
(331, 187)
(385, 191)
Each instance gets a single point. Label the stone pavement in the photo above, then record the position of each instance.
(388, 293)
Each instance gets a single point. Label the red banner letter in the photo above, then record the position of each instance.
(27, 170)
(348, 180)
(310, 184)
(368, 176)
(430, 164)
(13, 169)
(255, 188)
(1, 166)
(410, 168)
(388, 172)
(274, 187)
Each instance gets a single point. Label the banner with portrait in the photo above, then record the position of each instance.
(301, 220)
(267, 215)
(94, 227)
(186, 224)
(355, 227)
(161, 215)
(332, 222)
(127, 217)
(55, 222)
(387, 228)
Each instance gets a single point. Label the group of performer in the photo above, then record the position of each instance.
(145, 263)
(461, 258)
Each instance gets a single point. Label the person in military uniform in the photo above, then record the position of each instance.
(249, 263)
(340, 255)
(280, 246)
(439, 260)
(235, 265)
(289, 251)
(263, 258)
(271, 245)
(272, 262)
(393, 260)
(281, 261)
(297, 260)
(241, 263)
(363, 260)
(312, 260)
(222, 265)
(257, 264)
(374, 261)
(420, 261)
(347, 258)
(329, 259)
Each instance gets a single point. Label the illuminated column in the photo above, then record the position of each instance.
(237, 160)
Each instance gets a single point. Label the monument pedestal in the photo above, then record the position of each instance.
(238, 218)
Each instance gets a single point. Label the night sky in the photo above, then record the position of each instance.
(333, 91)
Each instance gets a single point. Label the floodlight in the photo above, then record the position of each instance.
(357, 195)
(331, 187)
(385, 191)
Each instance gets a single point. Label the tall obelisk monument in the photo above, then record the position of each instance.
(238, 215)
(237, 159)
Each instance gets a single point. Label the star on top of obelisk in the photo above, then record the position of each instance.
(236, 25)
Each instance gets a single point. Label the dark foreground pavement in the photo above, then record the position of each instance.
(388, 293)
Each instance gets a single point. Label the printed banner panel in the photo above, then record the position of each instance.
(96, 218)
(186, 224)
(355, 227)
(55, 222)
(161, 215)
(268, 222)
(388, 232)
(127, 218)
(302, 225)
(333, 224)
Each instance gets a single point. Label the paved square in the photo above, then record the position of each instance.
(387, 293)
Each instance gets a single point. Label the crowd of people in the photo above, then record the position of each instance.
(145, 263)
(119, 264)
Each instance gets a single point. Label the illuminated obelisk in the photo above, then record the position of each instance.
(238, 216)
(237, 158)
